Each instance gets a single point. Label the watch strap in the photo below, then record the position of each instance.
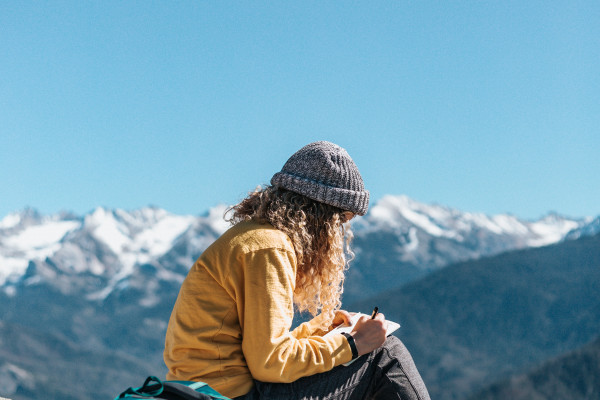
(352, 344)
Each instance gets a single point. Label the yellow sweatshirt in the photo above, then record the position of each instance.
(231, 321)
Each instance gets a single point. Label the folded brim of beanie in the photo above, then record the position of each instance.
(348, 200)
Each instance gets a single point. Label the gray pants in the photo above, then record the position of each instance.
(386, 373)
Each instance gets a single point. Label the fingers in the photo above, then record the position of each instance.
(378, 322)
(369, 333)
(345, 316)
(341, 317)
(381, 317)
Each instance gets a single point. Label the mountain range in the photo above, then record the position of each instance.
(399, 240)
(91, 295)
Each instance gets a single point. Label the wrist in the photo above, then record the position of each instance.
(352, 344)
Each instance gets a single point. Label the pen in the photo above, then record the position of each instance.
(375, 311)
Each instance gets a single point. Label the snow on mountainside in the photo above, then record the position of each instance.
(399, 238)
(589, 229)
(28, 236)
(400, 212)
(132, 238)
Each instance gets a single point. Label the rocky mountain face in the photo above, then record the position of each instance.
(92, 295)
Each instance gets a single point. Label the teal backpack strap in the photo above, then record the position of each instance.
(154, 388)
(190, 390)
(147, 390)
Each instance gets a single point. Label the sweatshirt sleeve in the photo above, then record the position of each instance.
(309, 328)
(272, 352)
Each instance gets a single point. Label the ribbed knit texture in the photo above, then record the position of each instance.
(324, 171)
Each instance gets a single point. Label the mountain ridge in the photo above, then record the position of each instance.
(109, 244)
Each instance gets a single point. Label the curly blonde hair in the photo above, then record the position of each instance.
(321, 237)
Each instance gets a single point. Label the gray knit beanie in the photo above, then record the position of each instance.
(324, 172)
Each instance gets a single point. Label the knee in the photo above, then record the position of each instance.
(394, 344)
(402, 368)
(395, 349)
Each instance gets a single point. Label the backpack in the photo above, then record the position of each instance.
(154, 388)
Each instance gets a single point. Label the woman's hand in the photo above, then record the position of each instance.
(342, 317)
(369, 334)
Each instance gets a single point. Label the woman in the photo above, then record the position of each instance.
(230, 325)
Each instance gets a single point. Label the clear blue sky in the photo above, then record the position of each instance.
(483, 106)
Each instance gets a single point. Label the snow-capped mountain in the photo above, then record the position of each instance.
(105, 244)
(400, 239)
(401, 213)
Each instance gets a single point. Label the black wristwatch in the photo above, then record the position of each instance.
(352, 344)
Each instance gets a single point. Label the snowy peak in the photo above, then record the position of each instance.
(215, 218)
(128, 238)
(10, 221)
(26, 236)
(106, 250)
(20, 220)
(401, 212)
(139, 235)
(553, 228)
